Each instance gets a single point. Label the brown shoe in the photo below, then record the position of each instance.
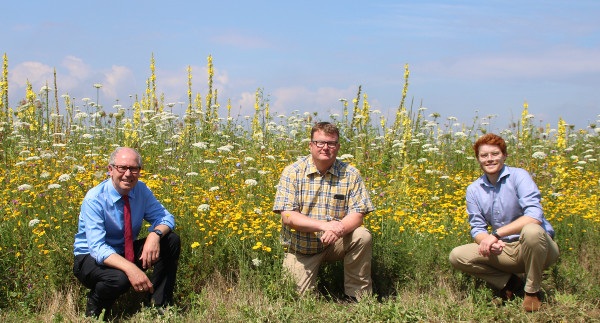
(532, 302)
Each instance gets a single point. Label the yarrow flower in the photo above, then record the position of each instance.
(33, 222)
(539, 155)
(192, 174)
(53, 186)
(256, 262)
(203, 207)
(64, 177)
(421, 160)
(251, 182)
(24, 187)
(226, 148)
(214, 188)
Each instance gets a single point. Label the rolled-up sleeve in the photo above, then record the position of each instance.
(155, 213)
(359, 200)
(285, 198)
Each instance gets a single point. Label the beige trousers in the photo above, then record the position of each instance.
(531, 254)
(354, 248)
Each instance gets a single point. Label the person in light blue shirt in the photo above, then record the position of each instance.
(507, 200)
(100, 253)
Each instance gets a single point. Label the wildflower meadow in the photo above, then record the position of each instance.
(217, 173)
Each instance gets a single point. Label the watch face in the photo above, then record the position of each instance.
(157, 232)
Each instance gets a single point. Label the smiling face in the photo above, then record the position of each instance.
(323, 157)
(124, 182)
(491, 160)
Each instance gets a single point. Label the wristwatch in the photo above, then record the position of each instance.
(495, 234)
(158, 232)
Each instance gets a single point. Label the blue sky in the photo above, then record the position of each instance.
(463, 56)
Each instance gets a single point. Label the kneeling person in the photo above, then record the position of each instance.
(322, 202)
(521, 241)
(108, 258)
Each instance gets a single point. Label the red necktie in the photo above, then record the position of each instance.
(128, 235)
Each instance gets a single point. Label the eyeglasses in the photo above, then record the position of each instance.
(321, 144)
(494, 154)
(123, 169)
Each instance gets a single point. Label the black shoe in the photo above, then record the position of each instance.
(92, 309)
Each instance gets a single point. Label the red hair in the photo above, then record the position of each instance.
(492, 140)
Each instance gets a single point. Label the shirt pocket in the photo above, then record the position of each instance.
(338, 201)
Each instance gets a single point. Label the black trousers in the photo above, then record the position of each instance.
(106, 284)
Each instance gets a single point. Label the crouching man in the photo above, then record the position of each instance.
(108, 258)
(521, 241)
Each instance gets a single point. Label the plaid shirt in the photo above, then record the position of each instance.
(326, 197)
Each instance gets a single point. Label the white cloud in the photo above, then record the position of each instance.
(117, 79)
(244, 106)
(76, 67)
(36, 72)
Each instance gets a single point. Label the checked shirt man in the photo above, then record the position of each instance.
(322, 202)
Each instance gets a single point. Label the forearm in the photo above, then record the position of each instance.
(118, 262)
(163, 228)
(516, 226)
(352, 221)
(301, 222)
(480, 237)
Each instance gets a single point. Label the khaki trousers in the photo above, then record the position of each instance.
(531, 254)
(354, 248)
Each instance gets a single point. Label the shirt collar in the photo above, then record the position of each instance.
(505, 172)
(334, 169)
(114, 195)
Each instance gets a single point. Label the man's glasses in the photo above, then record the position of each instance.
(123, 169)
(321, 144)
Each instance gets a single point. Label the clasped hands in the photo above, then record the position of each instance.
(333, 230)
(491, 246)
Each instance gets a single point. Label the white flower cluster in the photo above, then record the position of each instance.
(539, 155)
(24, 187)
(251, 182)
(201, 145)
(203, 207)
(33, 222)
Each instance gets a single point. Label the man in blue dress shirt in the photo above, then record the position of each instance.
(99, 248)
(521, 241)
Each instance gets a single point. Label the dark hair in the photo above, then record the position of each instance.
(490, 139)
(113, 156)
(326, 127)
